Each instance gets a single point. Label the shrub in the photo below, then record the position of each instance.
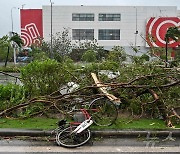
(117, 54)
(3, 54)
(76, 54)
(89, 56)
(45, 77)
(11, 95)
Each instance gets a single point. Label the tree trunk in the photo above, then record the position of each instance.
(103, 90)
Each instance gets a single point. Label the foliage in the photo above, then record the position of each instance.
(173, 33)
(84, 74)
(140, 59)
(96, 67)
(89, 56)
(38, 54)
(86, 45)
(109, 65)
(45, 77)
(157, 76)
(11, 95)
(89, 45)
(159, 54)
(76, 54)
(117, 54)
(62, 45)
(14, 69)
(94, 46)
(3, 54)
(17, 39)
(175, 63)
(4, 43)
(145, 57)
(45, 47)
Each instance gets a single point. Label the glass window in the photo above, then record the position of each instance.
(109, 17)
(109, 34)
(82, 17)
(82, 34)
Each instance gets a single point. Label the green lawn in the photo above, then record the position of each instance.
(142, 124)
(47, 123)
(31, 123)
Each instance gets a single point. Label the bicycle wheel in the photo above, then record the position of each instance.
(68, 139)
(103, 111)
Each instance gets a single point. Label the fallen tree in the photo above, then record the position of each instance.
(146, 94)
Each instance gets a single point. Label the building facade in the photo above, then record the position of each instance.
(124, 26)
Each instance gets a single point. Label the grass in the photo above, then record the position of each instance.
(31, 123)
(142, 124)
(10, 69)
(48, 123)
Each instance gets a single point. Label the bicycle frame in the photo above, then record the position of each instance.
(74, 134)
(85, 124)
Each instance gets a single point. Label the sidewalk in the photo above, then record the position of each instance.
(105, 133)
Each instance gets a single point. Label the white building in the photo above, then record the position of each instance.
(110, 25)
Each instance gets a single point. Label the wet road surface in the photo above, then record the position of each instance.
(97, 145)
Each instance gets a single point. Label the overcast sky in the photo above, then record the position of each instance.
(7, 5)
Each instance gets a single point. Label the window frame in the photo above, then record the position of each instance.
(109, 17)
(109, 34)
(83, 16)
(82, 34)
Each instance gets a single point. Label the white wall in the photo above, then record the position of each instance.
(62, 17)
(178, 13)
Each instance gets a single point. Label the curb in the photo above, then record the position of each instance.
(137, 133)
(23, 132)
(105, 133)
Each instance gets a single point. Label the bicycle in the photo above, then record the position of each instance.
(101, 111)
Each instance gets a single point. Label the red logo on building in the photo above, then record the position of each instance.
(31, 26)
(156, 29)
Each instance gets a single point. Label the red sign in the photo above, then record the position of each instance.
(156, 29)
(31, 26)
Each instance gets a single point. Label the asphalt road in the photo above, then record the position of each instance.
(97, 145)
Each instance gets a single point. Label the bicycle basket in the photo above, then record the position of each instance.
(79, 117)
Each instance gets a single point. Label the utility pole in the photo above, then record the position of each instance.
(12, 19)
(12, 34)
(51, 54)
(166, 39)
(136, 30)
